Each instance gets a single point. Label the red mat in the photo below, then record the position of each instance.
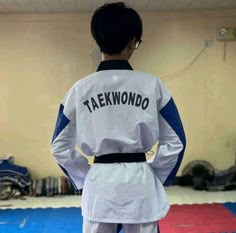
(198, 218)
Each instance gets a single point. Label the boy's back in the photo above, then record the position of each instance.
(116, 115)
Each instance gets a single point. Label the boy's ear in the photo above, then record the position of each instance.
(131, 44)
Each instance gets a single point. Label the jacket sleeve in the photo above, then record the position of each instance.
(74, 165)
(172, 140)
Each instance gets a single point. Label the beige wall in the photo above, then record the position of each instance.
(42, 56)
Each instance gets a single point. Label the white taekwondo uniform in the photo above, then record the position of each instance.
(119, 110)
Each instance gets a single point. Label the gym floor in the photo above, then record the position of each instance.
(176, 195)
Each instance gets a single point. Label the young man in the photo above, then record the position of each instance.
(117, 114)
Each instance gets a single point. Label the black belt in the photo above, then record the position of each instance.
(120, 158)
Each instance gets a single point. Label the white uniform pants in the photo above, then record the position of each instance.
(95, 227)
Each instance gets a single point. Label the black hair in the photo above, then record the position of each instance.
(114, 25)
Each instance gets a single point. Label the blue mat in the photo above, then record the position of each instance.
(61, 220)
(231, 206)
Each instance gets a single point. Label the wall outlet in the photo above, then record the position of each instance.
(226, 33)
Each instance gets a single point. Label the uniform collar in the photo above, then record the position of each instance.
(114, 65)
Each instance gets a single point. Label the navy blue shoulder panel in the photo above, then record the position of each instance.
(62, 122)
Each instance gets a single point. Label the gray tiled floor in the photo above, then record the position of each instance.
(176, 195)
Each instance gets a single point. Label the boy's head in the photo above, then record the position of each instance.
(114, 26)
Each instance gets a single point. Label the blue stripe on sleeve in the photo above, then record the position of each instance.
(62, 122)
(170, 113)
(66, 173)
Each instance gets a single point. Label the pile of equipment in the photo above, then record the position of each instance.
(51, 186)
(201, 175)
(14, 180)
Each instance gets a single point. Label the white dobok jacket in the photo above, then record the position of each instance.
(119, 110)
